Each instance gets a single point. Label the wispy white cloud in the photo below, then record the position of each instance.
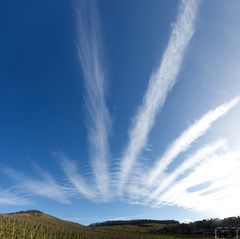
(220, 174)
(212, 176)
(161, 82)
(188, 164)
(143, 190)
(184, 141)
(7, 197)
(90, 51)
(70, 169)
(44, 186)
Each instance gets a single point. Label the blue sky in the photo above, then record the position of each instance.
(120, 109)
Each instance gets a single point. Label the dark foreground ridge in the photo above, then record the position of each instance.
(36, 224)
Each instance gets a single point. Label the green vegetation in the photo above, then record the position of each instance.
(37, 225)
(133, 226)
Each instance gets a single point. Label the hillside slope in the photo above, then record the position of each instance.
(171, 228)
(35, 224)
(143, 226)
(40, 217)
(38, 225)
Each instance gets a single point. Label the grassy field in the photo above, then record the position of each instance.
(135, 229)
(37, 225)
(141, 231)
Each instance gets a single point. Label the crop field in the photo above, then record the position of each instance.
(42, 226)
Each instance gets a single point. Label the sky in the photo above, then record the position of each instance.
(120, 109)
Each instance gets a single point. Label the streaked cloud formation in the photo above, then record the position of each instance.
(185, 140)
(152, 188)
(161, 82)
(191, 162)
(221, 173)
(8, 197)
(205, 179)
(70, 169)
(45, 185)
(90, 51)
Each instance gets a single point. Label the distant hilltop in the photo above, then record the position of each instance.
(33, 211)
(134, 222)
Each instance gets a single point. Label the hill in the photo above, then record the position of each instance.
(38, 217)
(142, 226)
(34, 224)
(170, 228)
(199, 229)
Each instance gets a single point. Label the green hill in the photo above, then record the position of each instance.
(143, 226)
